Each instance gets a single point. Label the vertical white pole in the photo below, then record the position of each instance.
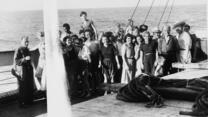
(58, 103)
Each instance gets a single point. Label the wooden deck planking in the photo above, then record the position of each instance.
(108, 106)
(105, 106)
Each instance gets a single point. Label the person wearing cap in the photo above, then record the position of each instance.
(179, 24)
(129, 63)
(185, 44)
(195, 52)
(148, 53)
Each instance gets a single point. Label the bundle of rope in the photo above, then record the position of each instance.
(200, 108)
(144, 87)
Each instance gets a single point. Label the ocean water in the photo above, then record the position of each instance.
(13, 25)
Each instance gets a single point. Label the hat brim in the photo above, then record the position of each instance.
(179, 24)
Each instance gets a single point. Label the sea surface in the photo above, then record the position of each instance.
(13, 25)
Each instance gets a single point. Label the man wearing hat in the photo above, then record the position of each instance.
(179, 24)
(185, 43)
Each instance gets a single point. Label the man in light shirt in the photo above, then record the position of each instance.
(185, 43)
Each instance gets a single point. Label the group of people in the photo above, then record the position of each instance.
(92, 58)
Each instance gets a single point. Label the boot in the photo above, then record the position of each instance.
(159, 102)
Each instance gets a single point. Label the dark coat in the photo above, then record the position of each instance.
(26, 83)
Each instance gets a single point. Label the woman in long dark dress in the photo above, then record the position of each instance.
(23, 60)
(108, 60)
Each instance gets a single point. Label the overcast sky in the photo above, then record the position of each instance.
(13, 5)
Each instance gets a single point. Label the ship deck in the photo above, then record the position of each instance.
(98, 107)
(104, 106)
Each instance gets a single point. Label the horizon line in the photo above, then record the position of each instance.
(19, 10)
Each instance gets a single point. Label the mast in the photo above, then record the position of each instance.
(58, 103)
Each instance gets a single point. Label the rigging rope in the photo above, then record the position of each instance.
(170, 11)
(166, 5)
(159, 5)
(148, 12)
(134, 10)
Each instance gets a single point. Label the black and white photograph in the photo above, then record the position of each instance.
(103, 58)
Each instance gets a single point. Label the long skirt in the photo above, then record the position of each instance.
(26, 85)
(72, 69)
(108, 69)
(128, 73)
